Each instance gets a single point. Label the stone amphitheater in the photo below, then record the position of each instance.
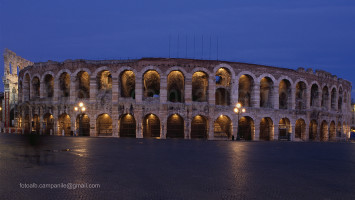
(179, 98)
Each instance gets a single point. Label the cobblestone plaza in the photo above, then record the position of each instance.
(128, 168)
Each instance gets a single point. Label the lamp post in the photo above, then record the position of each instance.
(238, 110)
(80, 109)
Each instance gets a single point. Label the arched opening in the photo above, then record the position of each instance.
(339, 129)
(246, 128)
(82, 125)
(48, 86)
(222, 97)
(200, 87)
(104, 84)
(285, 129)
(199, 127)
(223, 87)
(301, 93)
(128, 84)
(151, 126)
(266, 92)
(314, 95)
(313, 130)
(332, 131)
(222, 127)
(300, 129)
(35, 87)
(64, 85)
(333, 99)
(83, 85)
(175, 126)
(246, 84)
(151, 84)
(325, 97)
(127, 126)
(266, 129)
(324, 131)
(48, 125)
(64, 124)
(26, 88)
(12, 117)
(340, 100)
(27, 124)
(176, 86)
(35, 124)
(285, 94)
(104, 125)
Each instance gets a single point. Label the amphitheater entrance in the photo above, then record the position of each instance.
(300, 129)
(128, 84)
(266, 129)
(301, 96)
(83, 85)
(266, 92)
(324, 131)
(199, 127)
(127, 126)
(285, 129)
(223, 87)
(246, 128)
(246, 84)
(151, 84)
(48, 126)
(332, 131)
(64, 124)
(199, 87)
(82, 125)
(48, 86)
(64, 85)
(313, 127)
(104, 125)
(222, 127)
(175, 126)
(151, 126)
(35, 124)
(176, 86)
(285, 94)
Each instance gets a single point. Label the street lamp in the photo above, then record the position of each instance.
(238, 110)
(80, 109)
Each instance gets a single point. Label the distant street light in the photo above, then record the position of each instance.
(238, 110)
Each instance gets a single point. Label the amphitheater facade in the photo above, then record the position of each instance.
(181, 98)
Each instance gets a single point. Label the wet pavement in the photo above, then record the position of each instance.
(128, 168)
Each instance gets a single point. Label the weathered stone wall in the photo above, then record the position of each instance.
(277, 100)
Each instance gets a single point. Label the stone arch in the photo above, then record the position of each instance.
(104, 125)
(82, 84)
(199, 126)
(175, 126)
(314, 95)
(333, 98)
(313, 130)
(151, 84)
(324, 134)
(36, 87)
(266, 129)
(82, 123)
(151, 126)
(300, 129)
(285, 96)
(332, 131)
(84, 69)
(245, 90)
(64, 124)
(176, 86)
(223, 86)
(266, 92)
(325, 97)
(175, 68)
(48, 127)
(301, 95)
(285, 128)
(223, 127)
(225, 66)
(27, 87)
(127, 126)
(246, 128)
(200, 86)
(48, 82)
(127, 84)
(200, 69)
(64, 84)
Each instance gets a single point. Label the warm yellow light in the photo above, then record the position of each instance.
(239, 105)
(236, 110)
(81, 104)
(83, 109)
(243, 110)
(76, 108)
(0, 108)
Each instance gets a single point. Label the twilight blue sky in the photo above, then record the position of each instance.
(283, 33)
